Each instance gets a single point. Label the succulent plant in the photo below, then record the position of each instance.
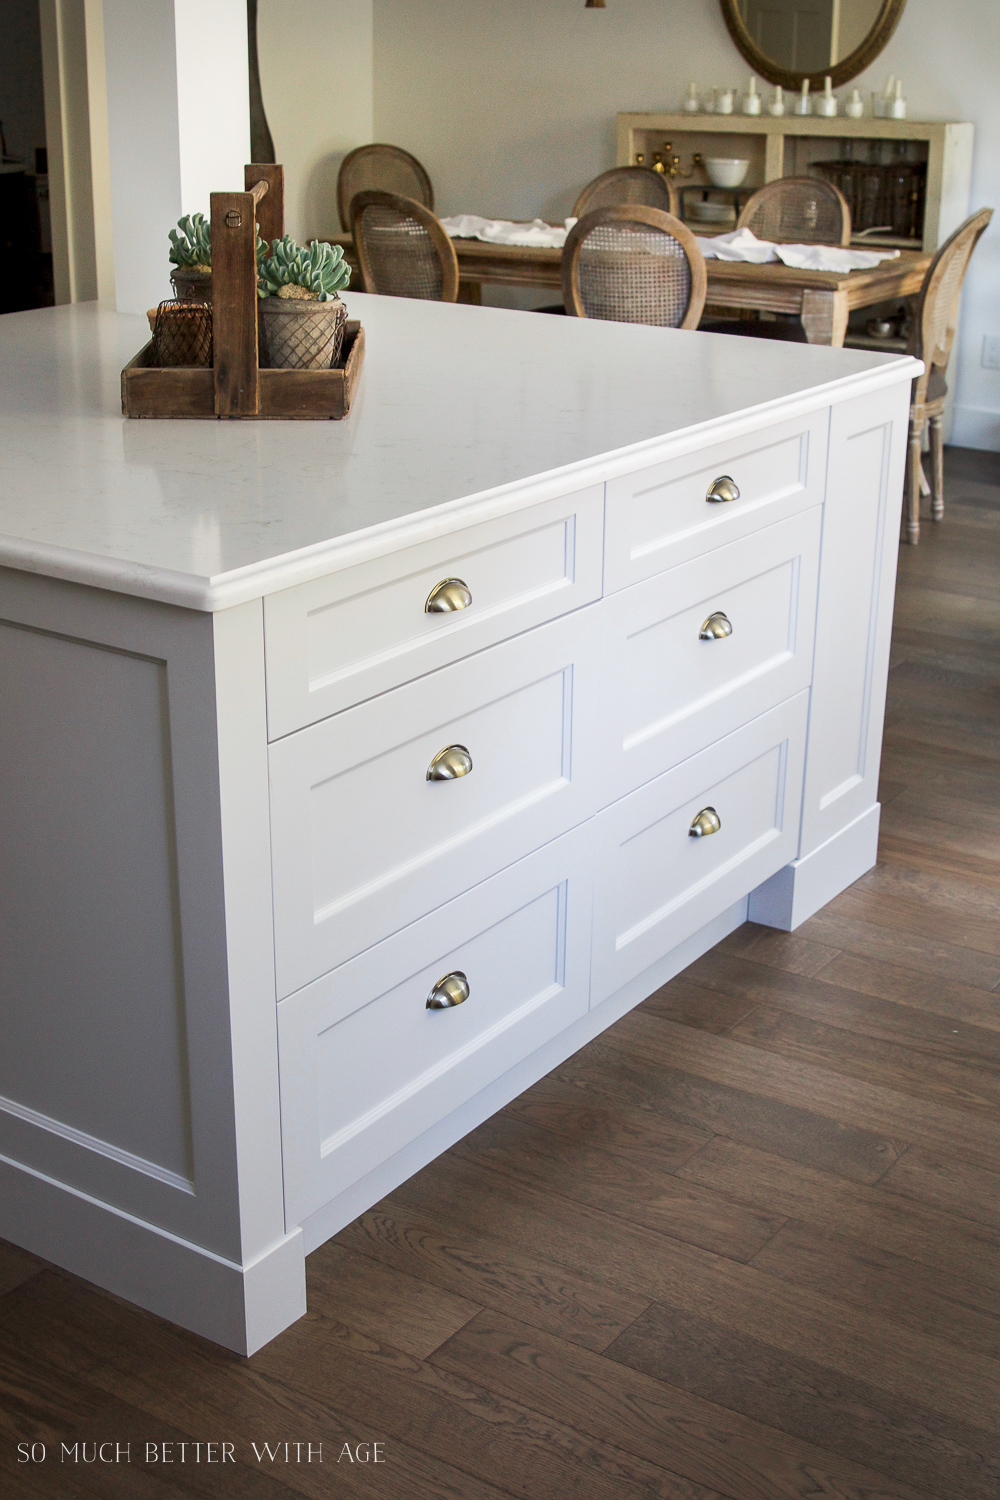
(316, 274)
(194, 251)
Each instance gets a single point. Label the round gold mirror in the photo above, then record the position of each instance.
(788, 40)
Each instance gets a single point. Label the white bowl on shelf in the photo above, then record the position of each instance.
(726, 171)
(710, 213)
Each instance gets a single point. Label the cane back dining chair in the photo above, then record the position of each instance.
(798, 211)
(388, 168)
(628, 185)
(933, 334)
(403, 250)
(632, 264)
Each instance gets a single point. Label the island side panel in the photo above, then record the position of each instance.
(840, 808)
(119, 1130)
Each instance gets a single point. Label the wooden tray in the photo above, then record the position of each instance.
(235, 385)
(189, 391)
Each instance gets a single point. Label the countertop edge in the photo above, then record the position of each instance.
(239, 586)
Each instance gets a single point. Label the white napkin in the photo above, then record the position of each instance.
(743, 244)
(536, 235)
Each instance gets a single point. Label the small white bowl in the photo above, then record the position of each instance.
(726, 171)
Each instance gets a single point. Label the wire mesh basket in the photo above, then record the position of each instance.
(300, 335)
(182, 333)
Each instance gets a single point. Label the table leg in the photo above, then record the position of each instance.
(824, 317)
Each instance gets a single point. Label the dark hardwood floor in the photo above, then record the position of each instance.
(745, 1245)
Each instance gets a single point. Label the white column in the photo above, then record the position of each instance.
(178, 126)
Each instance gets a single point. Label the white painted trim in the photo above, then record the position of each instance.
(240, 1307)
(976, 427)
(336, 553)
(801, 888)
(94, 1143)
(332, 1217)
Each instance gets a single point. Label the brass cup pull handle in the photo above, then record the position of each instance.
(707, 821)
(716, 627)
(450, 991)
(449, 764)
(448, 595)
(721, 489)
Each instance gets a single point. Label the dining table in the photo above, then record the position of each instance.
(822, 300)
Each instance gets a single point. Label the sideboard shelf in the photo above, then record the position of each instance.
(792, 145)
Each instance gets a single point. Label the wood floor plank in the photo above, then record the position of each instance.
(839, 1410)
(920, 992)
(932, 891)
(908, 950)
(683, 1002)
(180, 1380)
(660, 1143)
(871, 1279)
(744, 1114)
(793, 951)
(537, 1291)
(957, 929)
(16, 1265)
(918, 854)
(971, 1136)
(943, 613)
(916, 1073)
(890, 1020)
(609, 1399)
(950, 1245)
(906, 816)
(940, 1181)
(383, 1301)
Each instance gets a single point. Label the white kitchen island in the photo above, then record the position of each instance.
(489, 693)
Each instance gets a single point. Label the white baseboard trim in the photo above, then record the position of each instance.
(240, 1307)
(976, 427)
(355, 1200)
(802, 887)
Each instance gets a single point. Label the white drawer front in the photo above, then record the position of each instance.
(352, 635)
(655, 884)
(363, 843)
(667, 692)
(365, 1066)
(659, 517)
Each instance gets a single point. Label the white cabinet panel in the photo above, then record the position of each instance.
(363, 843)
(659, 517)
(667, 692)
(347, 637)
(365, 1065)
(854, 613)
(655, 883)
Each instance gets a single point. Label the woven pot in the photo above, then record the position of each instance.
(191, 285)
(300, 335)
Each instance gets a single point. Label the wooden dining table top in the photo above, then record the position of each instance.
(822, 299)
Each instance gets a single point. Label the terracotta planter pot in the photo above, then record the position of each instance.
(299, 335)
(191, 285)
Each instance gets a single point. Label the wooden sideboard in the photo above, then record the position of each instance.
(243, 873)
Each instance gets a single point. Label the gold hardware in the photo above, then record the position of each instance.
(448, 595)
(233, 219)
(723, 488)
(452, 990)
(449, 764)
(715, 628)
(707, 821)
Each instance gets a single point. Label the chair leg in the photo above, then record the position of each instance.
(937, 469)
(913, 472)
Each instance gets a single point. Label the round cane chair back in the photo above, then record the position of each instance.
(389, 169)
(628, 185)
(798, 211)
(633, 264)
(937, 305)
(404, 251)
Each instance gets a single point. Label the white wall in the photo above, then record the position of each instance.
(511, 106)
(316, 69)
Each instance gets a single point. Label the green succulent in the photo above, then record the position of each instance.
(320, 271)
(195, 249)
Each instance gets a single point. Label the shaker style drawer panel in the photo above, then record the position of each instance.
(662, 516)
(366, 1065)
(693, 653)
(376, 816)
(674, 854)
(345, 638)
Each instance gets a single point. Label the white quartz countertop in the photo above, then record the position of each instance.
(460, 411)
